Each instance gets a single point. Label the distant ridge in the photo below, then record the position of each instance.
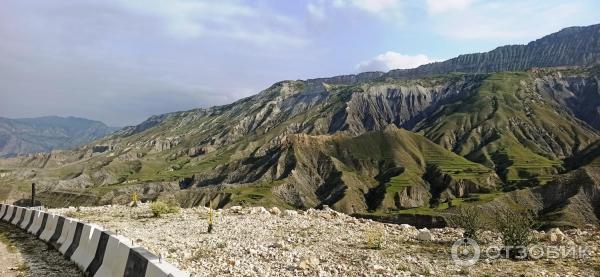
(43, 134)
(569, 47)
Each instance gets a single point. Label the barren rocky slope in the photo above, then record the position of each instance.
(254, 241)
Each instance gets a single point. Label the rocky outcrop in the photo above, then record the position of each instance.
(570, 200)
(578, 93)
(568, 47)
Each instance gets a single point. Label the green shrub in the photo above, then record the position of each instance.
(515, 225)
(374, 238)
(160, 208)
(468, 218)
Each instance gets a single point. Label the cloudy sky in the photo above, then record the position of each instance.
(121, 61)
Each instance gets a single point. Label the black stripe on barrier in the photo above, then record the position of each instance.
(9, 210)
(23, 212)
(57, 232)
(75, 242)
(41, 230)
(4, 212)
(31, 218)
(99, 257)
(137, 262)
(12, 216)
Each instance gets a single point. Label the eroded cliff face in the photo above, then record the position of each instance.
(380, 104)
(580, 94)
(569, 47)
(570, 200)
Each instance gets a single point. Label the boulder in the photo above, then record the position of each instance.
(290, 213)
(259, 210)
(236, 209)
(555, 235)
(424, 235)
(311, 262)
(275, 211)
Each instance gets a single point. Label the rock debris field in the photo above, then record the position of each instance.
(256, 241)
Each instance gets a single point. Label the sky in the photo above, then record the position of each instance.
(121, 61)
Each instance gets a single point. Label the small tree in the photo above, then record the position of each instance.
(515, 225)
(468, 218)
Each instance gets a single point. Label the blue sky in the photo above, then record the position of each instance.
(121, 61)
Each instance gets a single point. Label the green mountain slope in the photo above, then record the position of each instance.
(508, 126)
(372, 142)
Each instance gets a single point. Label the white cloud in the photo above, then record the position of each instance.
(508, 20)
(392, 60)
(316, 9)
(388, 10)
(226, 18)
(442, 6)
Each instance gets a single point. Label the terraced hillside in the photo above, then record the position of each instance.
(368, 143)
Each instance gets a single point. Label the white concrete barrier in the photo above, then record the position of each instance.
(49, 228)
(97, 252)
(115, 257)
(163, 269)
(2, 210)
(38, 216)
(8, 213)
(88, 243)
(16, 216)
(26, 219)
(67, 232)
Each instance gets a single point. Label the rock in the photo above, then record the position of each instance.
(311, 212)
(424, 235)
(311, 262)
(236, 209)
(290, 213)
(259, 210)
(278, 244)
(378, 268)
(195, 151)
(275, 211)
(326, 216)
(304, 265)
(555, 235)
(406, 226)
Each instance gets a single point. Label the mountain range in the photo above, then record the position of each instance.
(517, 125)
(44, 134)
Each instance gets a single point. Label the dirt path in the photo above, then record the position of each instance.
(11, 262)
(21, 254)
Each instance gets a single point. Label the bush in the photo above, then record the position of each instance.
(470, 219)
(160, 208)
(374, 238)
(515, 225)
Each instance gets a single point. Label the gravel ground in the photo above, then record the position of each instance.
(33, 257)
(257, 242)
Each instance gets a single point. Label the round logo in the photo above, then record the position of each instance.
(465, 252)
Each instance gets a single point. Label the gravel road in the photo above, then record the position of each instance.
(21, 254)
